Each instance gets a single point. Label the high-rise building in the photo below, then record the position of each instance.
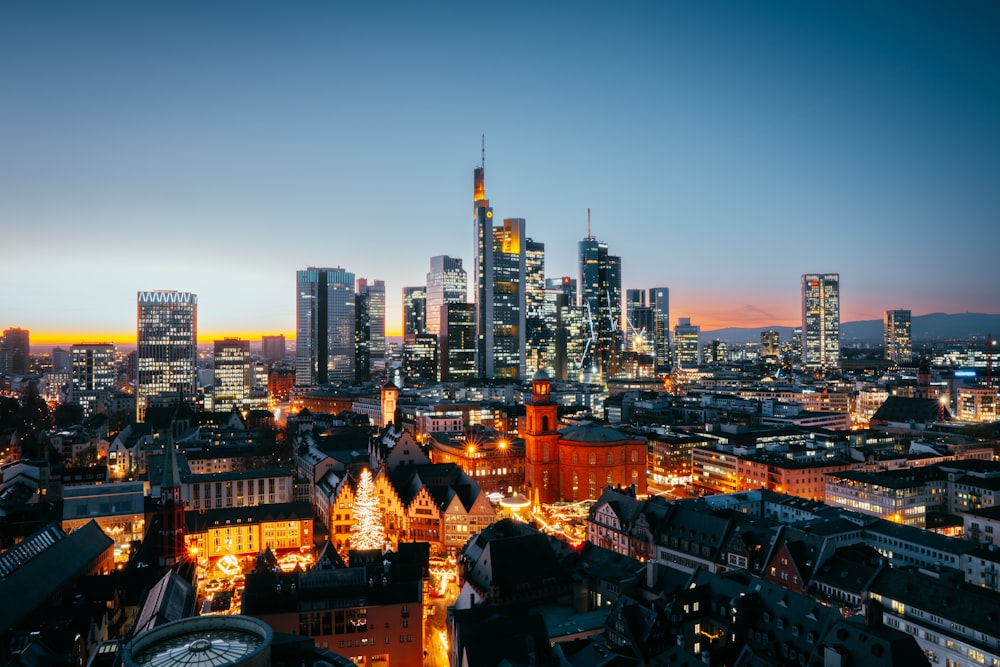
(500, 268)
(716, 352)
(686, 343)
(562, 315)
(166, 346)
(659, 301)
(820, 320)
(898, 343)
(601, 301)
(457, 343)
(92, 374)
(231, 387)
(375, 292)
(540, 339)
(272, 348)
(770, 345)
(420, 358)
(414, 313)
(15, 352)
(447, 282)
(325, 326)
(641, 322)
(795, 344)
(362, 338)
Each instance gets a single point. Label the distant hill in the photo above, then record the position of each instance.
(933, 326)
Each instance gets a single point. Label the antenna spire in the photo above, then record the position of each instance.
(483, 165)
(588, 221)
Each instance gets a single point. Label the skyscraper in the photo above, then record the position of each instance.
(640, 322)
(500, 268)
(820, 320)
(601, 300)
(457, 342)
(686, 343)
(414, 313)
(539, 336)
(273, 347)
(15, 352)
(375, 291)
(166, 346)
(659, 301)
(231, 386)
(362, 337)
(92, 374)
(325, 326)
(447, 282)
(770, 345)
(898, 344)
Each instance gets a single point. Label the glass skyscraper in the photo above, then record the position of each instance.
(447, 282)
(231, 386)
(601, 301)
(820, 320)
(499, 290)
(898, 342)
(659, 301)
(166, 346)
(325, 326)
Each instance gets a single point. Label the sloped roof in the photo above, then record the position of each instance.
(907, 409)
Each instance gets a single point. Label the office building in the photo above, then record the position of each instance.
(641, 322)
(92, 374)
(601, 301)
(231, 386)
(659, 301)
(420, 358)
(686, 343)
(820, 320)
(272, 348)
(457, 345)
(15, 352)
(325, 326)
(770, 345)
(500, 267)
(540, 335)
(898, 343)
(447, 282)
(362, 338)
(166, 347)
(414, 313)
(374, 291)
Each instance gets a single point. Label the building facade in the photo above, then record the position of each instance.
(92, 374)
(601, 300)
(166, 346)
(231, 387)
(686, 343)
(325, 346)
(820, 320)
(898, 342)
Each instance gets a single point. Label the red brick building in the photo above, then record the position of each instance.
(578, 462)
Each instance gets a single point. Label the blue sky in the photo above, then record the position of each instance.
(723, 148)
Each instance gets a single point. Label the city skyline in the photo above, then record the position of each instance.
(723, 154)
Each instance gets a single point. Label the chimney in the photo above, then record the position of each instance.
(651, 574)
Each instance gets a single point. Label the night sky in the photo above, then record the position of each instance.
(724, 149)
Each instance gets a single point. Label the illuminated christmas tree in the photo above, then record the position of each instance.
(367, 532)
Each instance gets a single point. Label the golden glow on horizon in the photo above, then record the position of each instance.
(65, 339)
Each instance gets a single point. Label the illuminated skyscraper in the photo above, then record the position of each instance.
(92, 374)
(601, 301)
(770, 345)
(659, 301)
(166, 346)
(447, 282)
(325, 326)
(231, 387)
(500, 268)
(686, 343)
(898, 344)
(457, 342)
(640, 321)
(540, 334)
(374, 290)
(414, 313)
(820, 320)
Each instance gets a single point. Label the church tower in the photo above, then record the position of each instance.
(541, 443)
(170, 510)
